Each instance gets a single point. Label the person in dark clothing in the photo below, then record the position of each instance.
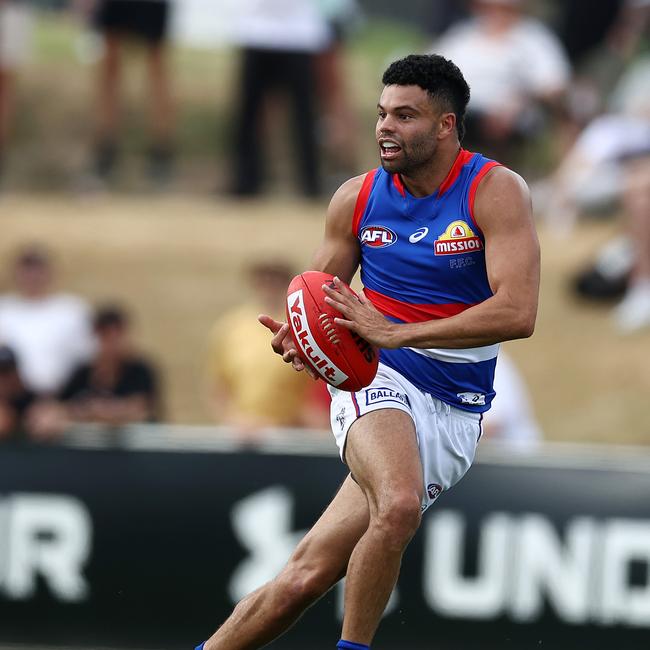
(265, 72)
(15, 399)
(280, 41)
(118, 386)
(147, 22)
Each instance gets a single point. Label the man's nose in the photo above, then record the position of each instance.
(388, 125)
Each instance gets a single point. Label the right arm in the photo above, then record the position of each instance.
(337, 254)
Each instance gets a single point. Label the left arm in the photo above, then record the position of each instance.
(503, 211)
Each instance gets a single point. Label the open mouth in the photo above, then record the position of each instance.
(389, 149)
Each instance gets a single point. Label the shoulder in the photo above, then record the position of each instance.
(345, 198)
(540, 44)
(454, 34)
(8, 302)
(81, 372)
(78, 381)
(69, 303)
(342, 209)
(499, 180)
(501, 192)
(140, 366)
(534, 28)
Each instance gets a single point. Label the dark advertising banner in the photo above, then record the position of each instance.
(150, 549)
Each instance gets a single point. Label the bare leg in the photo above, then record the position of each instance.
(162, 108)
(319, 562)
(108, 91)
(7, 93)
(383, 455)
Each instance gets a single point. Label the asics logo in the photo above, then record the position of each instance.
(419, 234)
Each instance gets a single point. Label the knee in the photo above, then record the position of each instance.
(398, 518)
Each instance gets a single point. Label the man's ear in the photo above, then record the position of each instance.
(447, 125)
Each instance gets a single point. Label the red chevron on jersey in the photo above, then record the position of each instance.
(412, 313)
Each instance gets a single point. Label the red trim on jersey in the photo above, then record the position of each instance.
(462, 159)
(474, 186)
(412, 313)
(362, 201)
(397, 182)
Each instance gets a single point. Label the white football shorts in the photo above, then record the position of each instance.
(447, 436)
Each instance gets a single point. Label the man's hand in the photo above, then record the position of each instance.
(282, 343)
(360, 315)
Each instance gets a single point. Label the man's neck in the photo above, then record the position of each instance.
(427, 180)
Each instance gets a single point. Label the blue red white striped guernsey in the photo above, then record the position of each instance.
(424, 258)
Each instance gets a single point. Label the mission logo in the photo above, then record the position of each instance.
(458, 238)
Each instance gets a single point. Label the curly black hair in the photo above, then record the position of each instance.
(440, 77)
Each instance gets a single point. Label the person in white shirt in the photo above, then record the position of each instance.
(515, 66)
(279, 41)
(511, 419)
(50, 332)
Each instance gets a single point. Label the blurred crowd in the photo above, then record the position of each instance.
(61, 363)
(560, 91)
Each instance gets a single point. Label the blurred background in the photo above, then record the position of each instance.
(165, 167)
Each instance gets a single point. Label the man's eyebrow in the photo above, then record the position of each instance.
(405, 107)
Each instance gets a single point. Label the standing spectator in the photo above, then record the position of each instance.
(338, 118)
(49, 332)
(249, 389)
(15, 26)
(280, 40)
(609, 162)
(15, 398)
(146, 21)
(517, 71)
(118, 386)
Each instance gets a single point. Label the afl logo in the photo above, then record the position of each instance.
(377, 236)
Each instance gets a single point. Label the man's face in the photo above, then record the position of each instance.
(113, 340)
(407, 127)
(32, 279)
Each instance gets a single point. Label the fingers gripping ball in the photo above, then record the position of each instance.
(341, 357)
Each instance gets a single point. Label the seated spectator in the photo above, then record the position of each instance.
(49, 332)
(118, 386)
(250, 388)
(610, 165)
(516, 69)
(15, 398)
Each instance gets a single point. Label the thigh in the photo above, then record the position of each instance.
(382, 453)
(448, 440)
(328, 545)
